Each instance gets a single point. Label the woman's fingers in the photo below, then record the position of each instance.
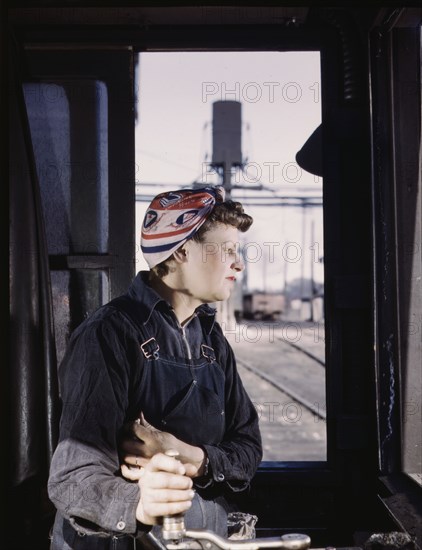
(149, 514)
(136, 460)
(166, 480)
(166, 496)
(191, 470)
(133, 473)
(135, 434)
(134, 464)
(162, 462)
(164, 489)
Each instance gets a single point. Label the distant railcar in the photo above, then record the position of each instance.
(262, 306)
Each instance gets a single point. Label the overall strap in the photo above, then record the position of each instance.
(130, 309)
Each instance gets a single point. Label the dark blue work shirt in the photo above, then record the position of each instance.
(185, 382)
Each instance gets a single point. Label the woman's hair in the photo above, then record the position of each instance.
(227, 213)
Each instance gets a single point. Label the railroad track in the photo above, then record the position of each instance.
(280, 386)
(302, 350)
(291, 343)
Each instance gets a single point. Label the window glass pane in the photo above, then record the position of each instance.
(270, 105)
(73, 172)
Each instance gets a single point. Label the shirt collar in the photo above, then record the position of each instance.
(140, 291)
(206, 315)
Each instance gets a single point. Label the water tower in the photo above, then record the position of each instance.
(226, 139)
(227, 155)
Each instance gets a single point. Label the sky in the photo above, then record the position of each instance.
(280, 101)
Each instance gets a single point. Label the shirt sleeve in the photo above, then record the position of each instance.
(85, 483)
(235, 460)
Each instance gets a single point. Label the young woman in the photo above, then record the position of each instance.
(156, 357)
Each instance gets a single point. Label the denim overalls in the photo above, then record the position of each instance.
(181, 395)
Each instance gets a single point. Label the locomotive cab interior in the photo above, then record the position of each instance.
(368, 152)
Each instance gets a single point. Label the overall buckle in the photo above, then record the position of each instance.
(208, 353)
(150, 348)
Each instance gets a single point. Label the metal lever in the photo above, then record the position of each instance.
(180, 538)
(207, 540)
(173, 526)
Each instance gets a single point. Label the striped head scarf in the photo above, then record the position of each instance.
(174, 217)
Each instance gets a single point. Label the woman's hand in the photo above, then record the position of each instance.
(142, 441)
(165, 488)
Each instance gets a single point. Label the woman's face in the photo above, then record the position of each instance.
(212, 265)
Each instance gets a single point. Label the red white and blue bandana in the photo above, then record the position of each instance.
(174, 217)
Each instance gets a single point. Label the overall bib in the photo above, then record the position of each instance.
(186, 397)
(178, 395)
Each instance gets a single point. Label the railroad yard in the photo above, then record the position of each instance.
(282, 368)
